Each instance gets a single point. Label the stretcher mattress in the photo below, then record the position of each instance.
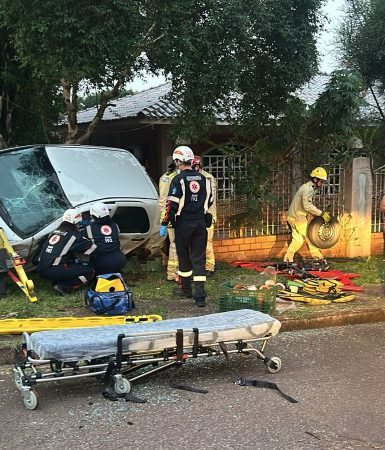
(77, 344)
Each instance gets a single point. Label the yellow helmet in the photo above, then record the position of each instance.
(319, 172)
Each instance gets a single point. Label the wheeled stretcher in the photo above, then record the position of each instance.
(144, 348)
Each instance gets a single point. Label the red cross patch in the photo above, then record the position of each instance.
(106, 230)
(54, 239)
(194, 187)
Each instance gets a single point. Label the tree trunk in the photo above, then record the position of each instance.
(3, 144)
(6, 112)
(104, 103)
(71, 105)
(70, 100)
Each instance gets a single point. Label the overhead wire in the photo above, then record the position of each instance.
(56, 124)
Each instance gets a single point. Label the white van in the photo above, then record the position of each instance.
(39, 182)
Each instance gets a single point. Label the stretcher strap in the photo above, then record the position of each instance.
(187, 388)
(264, 384)
(134, 399)
(195, 349)
(179, 346)
(110, 394)
(223, 347)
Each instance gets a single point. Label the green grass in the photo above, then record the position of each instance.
(151, 289)
(372, 269)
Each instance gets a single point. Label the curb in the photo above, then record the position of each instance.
(351, 318)
(288, 324)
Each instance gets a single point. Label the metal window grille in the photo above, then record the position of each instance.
(224, 166)
(331, 197)
(378, 192)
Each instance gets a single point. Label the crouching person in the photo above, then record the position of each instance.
(104, 233)
(58, 262)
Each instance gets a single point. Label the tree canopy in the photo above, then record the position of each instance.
(28, 110)
(259, 51)
(361, 38)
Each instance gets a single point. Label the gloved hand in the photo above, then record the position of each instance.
(163, 231)
(326, 216)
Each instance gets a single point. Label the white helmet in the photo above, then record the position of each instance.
(183, 153)
(72, 216)
(99, 210)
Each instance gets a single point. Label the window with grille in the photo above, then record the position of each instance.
(224, 166)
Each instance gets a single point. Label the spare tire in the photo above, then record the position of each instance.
(324, 235)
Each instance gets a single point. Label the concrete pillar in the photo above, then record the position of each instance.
(356, 231)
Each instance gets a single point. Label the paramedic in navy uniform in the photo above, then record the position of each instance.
(188, 201)
(57, 260)
(104, 232)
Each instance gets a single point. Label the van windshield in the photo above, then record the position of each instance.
(30, 193)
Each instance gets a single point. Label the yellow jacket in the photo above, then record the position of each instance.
(164, 186)
(302, 203)
(213, 208)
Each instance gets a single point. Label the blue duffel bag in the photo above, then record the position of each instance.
(109, 295)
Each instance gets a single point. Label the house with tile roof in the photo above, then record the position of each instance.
(141, 123)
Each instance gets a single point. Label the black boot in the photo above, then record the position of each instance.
(61, 290)
(200, 301)
(184, 288)
(200, 293)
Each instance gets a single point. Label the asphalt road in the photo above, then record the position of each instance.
(336, 374)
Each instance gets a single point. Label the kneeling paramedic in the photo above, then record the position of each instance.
(57, 260)
(300, 207)
(104, 233)
(187, 207)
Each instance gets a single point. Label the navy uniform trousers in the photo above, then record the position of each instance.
(191, 242)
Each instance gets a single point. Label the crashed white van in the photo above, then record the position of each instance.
(39, 182)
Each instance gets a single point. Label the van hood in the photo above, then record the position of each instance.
(81, 173)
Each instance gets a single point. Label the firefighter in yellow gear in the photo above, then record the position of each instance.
(300, 207)
(164, 187)
(210, 257)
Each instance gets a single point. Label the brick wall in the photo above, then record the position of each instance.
(268, 247)
(377, 247)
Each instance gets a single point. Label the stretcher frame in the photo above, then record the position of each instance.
(30, 372)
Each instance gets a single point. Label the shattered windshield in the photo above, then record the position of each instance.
(30, 193)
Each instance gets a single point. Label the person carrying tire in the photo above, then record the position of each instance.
(187, 206)
(300, 207)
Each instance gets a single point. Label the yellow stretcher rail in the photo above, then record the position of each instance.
(24, 283)
(18, 326)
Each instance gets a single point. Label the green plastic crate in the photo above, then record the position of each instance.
(262, 300)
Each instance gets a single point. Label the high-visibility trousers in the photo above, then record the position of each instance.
(210, 257)
(172, 263)
(298, 236)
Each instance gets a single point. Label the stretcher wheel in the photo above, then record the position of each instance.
(122, 386)
(30, 399)
(18, 380)
(278, 363)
